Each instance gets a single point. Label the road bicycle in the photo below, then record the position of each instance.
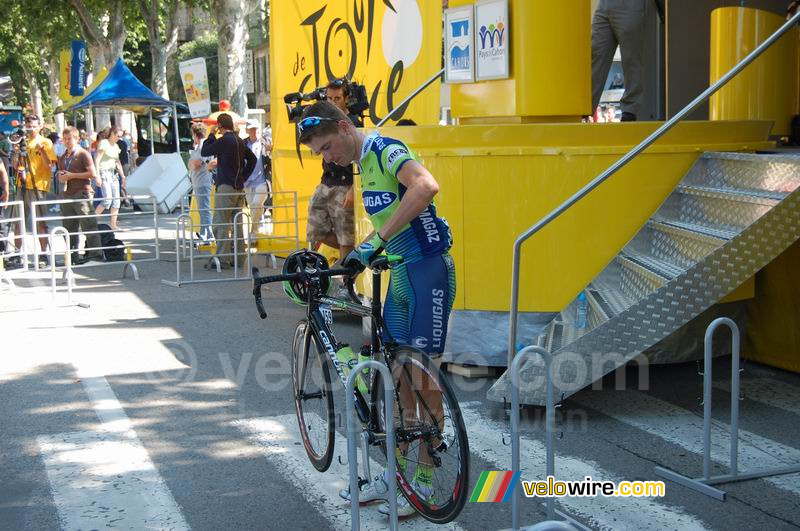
(429, 427)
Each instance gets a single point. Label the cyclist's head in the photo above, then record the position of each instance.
(328, 132)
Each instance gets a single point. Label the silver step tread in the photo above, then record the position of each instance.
(691, 229)
(733, 194)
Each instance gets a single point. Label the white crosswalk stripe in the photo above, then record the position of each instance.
(768, 391)
(105, 478)
(276, 437)
(685, 429)
(606, 513)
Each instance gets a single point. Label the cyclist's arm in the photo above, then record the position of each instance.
(421, 188)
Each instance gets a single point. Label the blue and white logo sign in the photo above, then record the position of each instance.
(77, 75)
(459, 48)
(492, 38)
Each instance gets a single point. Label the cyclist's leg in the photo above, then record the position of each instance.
(433, 280)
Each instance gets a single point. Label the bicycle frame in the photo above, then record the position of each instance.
(324, 337)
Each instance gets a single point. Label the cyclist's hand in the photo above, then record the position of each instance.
(368, 248)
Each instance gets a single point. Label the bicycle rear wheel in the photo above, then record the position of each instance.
(313, 399)
(431, 437)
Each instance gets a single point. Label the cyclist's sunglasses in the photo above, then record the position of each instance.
(310, 122)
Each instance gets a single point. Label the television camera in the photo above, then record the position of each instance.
(357, 100)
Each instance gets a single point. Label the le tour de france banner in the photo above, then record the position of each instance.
(195, 86)
(389, 46)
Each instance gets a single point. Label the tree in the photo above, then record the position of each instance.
(103, 28)
(162, 32)
(231, 18)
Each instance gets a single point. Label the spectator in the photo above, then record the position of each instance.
(33, 172)
(85, 144)
(4, 194)
(5, 149)
(112, 175)
(201, 168)
(257, 186)
(77, 171)
(619, 23)
(124, 155)
(235, 163)
(330, 210)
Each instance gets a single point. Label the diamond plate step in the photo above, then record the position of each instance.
(704, 241)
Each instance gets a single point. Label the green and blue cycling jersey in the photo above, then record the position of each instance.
(380, 162)
(421, 289)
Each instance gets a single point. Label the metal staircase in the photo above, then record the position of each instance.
(729, 217)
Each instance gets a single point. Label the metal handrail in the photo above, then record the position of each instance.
(512, 327)
(411, 96)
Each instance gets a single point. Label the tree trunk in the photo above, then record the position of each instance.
(159, 77)
(36, 93)
(162, 44)
(233, 37)
(51, 68)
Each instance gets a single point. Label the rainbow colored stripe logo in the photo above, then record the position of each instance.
(495, 486)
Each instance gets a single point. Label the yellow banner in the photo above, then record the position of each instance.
(64, 59)
(389, 46)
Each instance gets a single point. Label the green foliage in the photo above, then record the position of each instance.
(203, 46)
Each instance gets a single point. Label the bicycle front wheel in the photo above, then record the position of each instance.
(313, 398)
(432, 450)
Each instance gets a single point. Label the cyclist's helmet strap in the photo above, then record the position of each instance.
(300, 261)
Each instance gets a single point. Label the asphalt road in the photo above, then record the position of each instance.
(170, 408)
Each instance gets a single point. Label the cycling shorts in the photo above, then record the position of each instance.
(419, 301)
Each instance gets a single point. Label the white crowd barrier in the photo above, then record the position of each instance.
(135, 240)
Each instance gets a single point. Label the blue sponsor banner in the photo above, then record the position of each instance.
(77, 76)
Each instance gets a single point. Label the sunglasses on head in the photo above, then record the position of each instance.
(310, 122)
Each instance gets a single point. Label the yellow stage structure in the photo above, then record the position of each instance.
(520, 148)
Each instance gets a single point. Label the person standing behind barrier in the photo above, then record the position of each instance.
(256, 188)
(235, 163)
(109, 166)
(34, 173)
(5, 149)
(619, 22)
(4, 193)
(77, 171)
(201, 168)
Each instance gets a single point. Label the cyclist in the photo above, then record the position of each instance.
(398, 194)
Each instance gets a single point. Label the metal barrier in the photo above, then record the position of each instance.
(293, 219)
(68, 276)
(703, 484)
(352, 433)
(550, 428)
(186, 246)
(16, 221)
(131, 250)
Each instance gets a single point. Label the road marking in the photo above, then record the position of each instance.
(685, 429)
(277, 438)
(105, 478)
(768, 391)
(485, 440)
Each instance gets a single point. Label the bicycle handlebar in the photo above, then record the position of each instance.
(378, 263)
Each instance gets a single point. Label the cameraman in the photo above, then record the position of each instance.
(33, 169)
(330, 211)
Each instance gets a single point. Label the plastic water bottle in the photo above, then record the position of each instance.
(347, 359)
(583, 312)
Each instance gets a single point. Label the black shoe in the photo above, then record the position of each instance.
(15, 262)
(77, 259)
(94, 257)
(628, 117)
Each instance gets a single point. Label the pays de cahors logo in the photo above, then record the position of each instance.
(492, 36)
